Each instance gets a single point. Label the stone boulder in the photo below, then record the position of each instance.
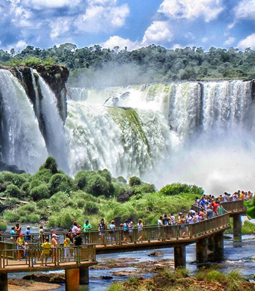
(125, 196)
(156, 254)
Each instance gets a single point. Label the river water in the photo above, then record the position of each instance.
(237, 256)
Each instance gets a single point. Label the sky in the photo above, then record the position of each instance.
(127, 23)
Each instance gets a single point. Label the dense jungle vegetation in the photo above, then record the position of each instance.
(97, 66)
(53, 198)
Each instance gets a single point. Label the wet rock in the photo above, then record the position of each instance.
(124, 273)
(106, 277)
(156, 254)
(46, 278)
(123, 197)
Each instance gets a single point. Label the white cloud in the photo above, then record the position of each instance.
(248, 42)
(209, 9)
(42, 4)
(205, 39)
(231, 25)
(189, 35)
(59, 27)
(229, 41)
(100, 18)
(245, 10)
(158, 32)
(114, 41)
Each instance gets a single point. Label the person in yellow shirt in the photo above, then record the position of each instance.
(46, 246)
(67, 248)
(20, 244)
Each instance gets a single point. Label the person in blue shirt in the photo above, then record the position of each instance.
(28, 234)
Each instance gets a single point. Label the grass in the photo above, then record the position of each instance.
(179, 280)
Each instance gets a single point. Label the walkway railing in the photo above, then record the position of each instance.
(55, 257)
(234, 206)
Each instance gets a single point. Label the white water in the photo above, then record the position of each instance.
(55, 134)
(22, 143)
(201, 133)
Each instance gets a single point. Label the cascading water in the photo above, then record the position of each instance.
(54, 127)
(191, 132)
(21, 140)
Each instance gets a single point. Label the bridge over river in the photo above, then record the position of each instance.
(207, 234)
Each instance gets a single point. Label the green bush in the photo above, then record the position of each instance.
(133, 181)
(106, 174)
(40, 192)
(178, 188)
(10, 216)
(97, 185)
(80, 203)
(53, 221)
(29, 208)
(43, 175)
(120, 179)
(3, 226)
(42, 203)
(66, 220)
(91, 208)
(31, 218)
(144, 188)
(50, 164)
(81, 180)
(34, 183)
(25, 188)
(18, 180)
(59, 199)
(13, 191)
(6, 177)
(61, 182)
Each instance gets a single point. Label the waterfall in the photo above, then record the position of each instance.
(21, 140)
(53, 124)
(191, 132)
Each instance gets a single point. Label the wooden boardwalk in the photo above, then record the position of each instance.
(81, 258)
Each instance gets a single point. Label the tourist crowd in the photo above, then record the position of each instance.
(205, 207)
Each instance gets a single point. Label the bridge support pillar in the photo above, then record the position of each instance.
(72, 277)
(237, 227)
(201, 251)
(3, 281)
(84, 275)
(218, 247)
(180, 256)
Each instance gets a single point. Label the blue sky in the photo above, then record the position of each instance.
(127, 23)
